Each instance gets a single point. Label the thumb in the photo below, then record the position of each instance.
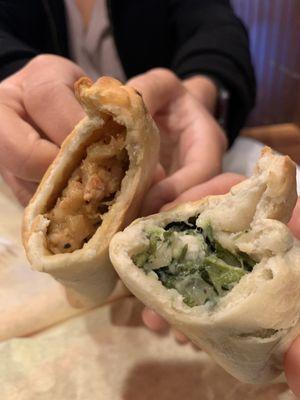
(292, 366)
(159, 194)
(158, 87)
(220, 184)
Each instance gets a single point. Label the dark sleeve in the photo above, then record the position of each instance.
(13, 54)
(211, 40)
(29, 28)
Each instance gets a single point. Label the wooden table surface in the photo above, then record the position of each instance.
(285, 138)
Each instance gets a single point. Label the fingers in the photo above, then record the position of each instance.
(22, 190)
(180, 337)
(158, 87)
(153, 321)
(220, 184)
(204, 90)
(37, 102)
(152, 201)
(292, 367)
(162, 195)
(159, 174)
(294, 223)
(156, 323)
(49, 99)
(159, 194)
(23, 152)
(200, 147)
(54, 109)
(198, 155)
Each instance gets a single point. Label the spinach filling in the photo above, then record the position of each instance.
(188, 258)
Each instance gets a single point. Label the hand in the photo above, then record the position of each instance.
(294, 223)
(292, 358)
(37, 110)
(292, 366)
(192, 143)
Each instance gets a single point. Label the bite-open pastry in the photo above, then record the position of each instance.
(224, 270)
(93, 189)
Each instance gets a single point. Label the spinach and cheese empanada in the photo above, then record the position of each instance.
(93, 189)
(224, 270)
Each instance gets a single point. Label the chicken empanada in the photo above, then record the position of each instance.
(93, 189)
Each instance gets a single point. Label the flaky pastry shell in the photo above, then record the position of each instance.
(87, 272)
(251, 327)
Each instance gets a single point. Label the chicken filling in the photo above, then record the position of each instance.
(90, 192)
(188, 258)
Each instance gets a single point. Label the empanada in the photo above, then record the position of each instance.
(93, 189)
(224, 270)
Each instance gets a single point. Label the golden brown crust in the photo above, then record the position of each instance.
(281, 186)
(88, 270)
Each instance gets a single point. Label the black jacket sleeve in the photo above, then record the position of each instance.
(29, 28)
(14, 52)
(211, 40)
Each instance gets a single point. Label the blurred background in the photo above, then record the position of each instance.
(274, 29)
